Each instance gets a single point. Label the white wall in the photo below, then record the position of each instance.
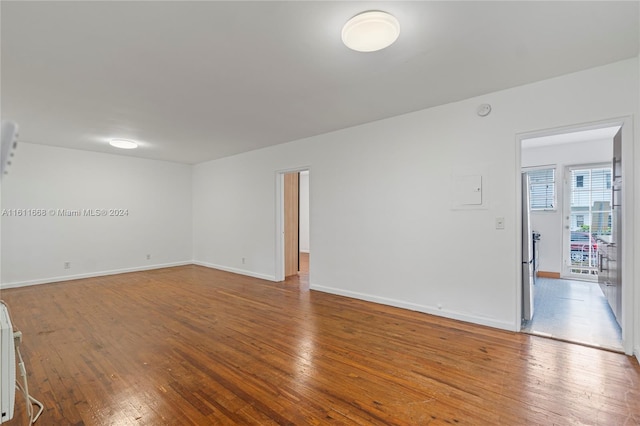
(381, 223)
(549, 223)
(380, 206)
(304, 211)
(633, 258)
(156, 194)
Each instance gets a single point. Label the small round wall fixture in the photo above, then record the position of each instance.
(370, 31)
(484, 110)
(123, 143)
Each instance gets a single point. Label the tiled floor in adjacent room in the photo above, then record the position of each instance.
(576, 311)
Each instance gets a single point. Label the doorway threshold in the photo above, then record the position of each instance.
(615, 349)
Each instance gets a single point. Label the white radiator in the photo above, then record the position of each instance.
(8, 143)
(7, 366)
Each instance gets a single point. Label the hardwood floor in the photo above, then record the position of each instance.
(191, 345)
(304, 263)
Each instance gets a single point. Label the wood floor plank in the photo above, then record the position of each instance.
(195, 346)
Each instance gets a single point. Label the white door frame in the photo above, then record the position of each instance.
(628, 290)
(279, 236)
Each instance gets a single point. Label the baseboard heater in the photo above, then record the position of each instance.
(7, 366)
(8, 144)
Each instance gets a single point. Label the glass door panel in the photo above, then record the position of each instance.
(589, 218)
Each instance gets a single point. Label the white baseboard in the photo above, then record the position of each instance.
(490, 322)
(637, 353)
(236, 270)
(134, 269)
(92, 274)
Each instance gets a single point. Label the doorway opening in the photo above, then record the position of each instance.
(570, 196)
(589, 212)
(292, 226)
(304, 248)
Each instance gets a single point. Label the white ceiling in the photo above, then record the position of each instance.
(601, 134)
(194, 81)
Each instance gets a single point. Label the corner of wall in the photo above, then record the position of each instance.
(236, 270)
(93, 274)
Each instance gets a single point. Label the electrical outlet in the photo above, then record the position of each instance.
(148, 256)
(243, 260)
(67, 265)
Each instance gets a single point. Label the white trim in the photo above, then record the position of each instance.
(432, 310)
(593, 125)
(517, 321)
(279, 236)
(628, 289)
(630, 309)
(305, 251)
(236, 270)
(92, 274)
(135, 269)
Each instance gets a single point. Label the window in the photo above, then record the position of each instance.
(592, 199)
(542, 190)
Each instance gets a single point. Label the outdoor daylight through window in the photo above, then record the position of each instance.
(542, 188)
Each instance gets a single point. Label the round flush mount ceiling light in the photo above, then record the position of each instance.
(370, 31)
(123, 143)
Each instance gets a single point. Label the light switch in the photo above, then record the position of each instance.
(499, 222)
